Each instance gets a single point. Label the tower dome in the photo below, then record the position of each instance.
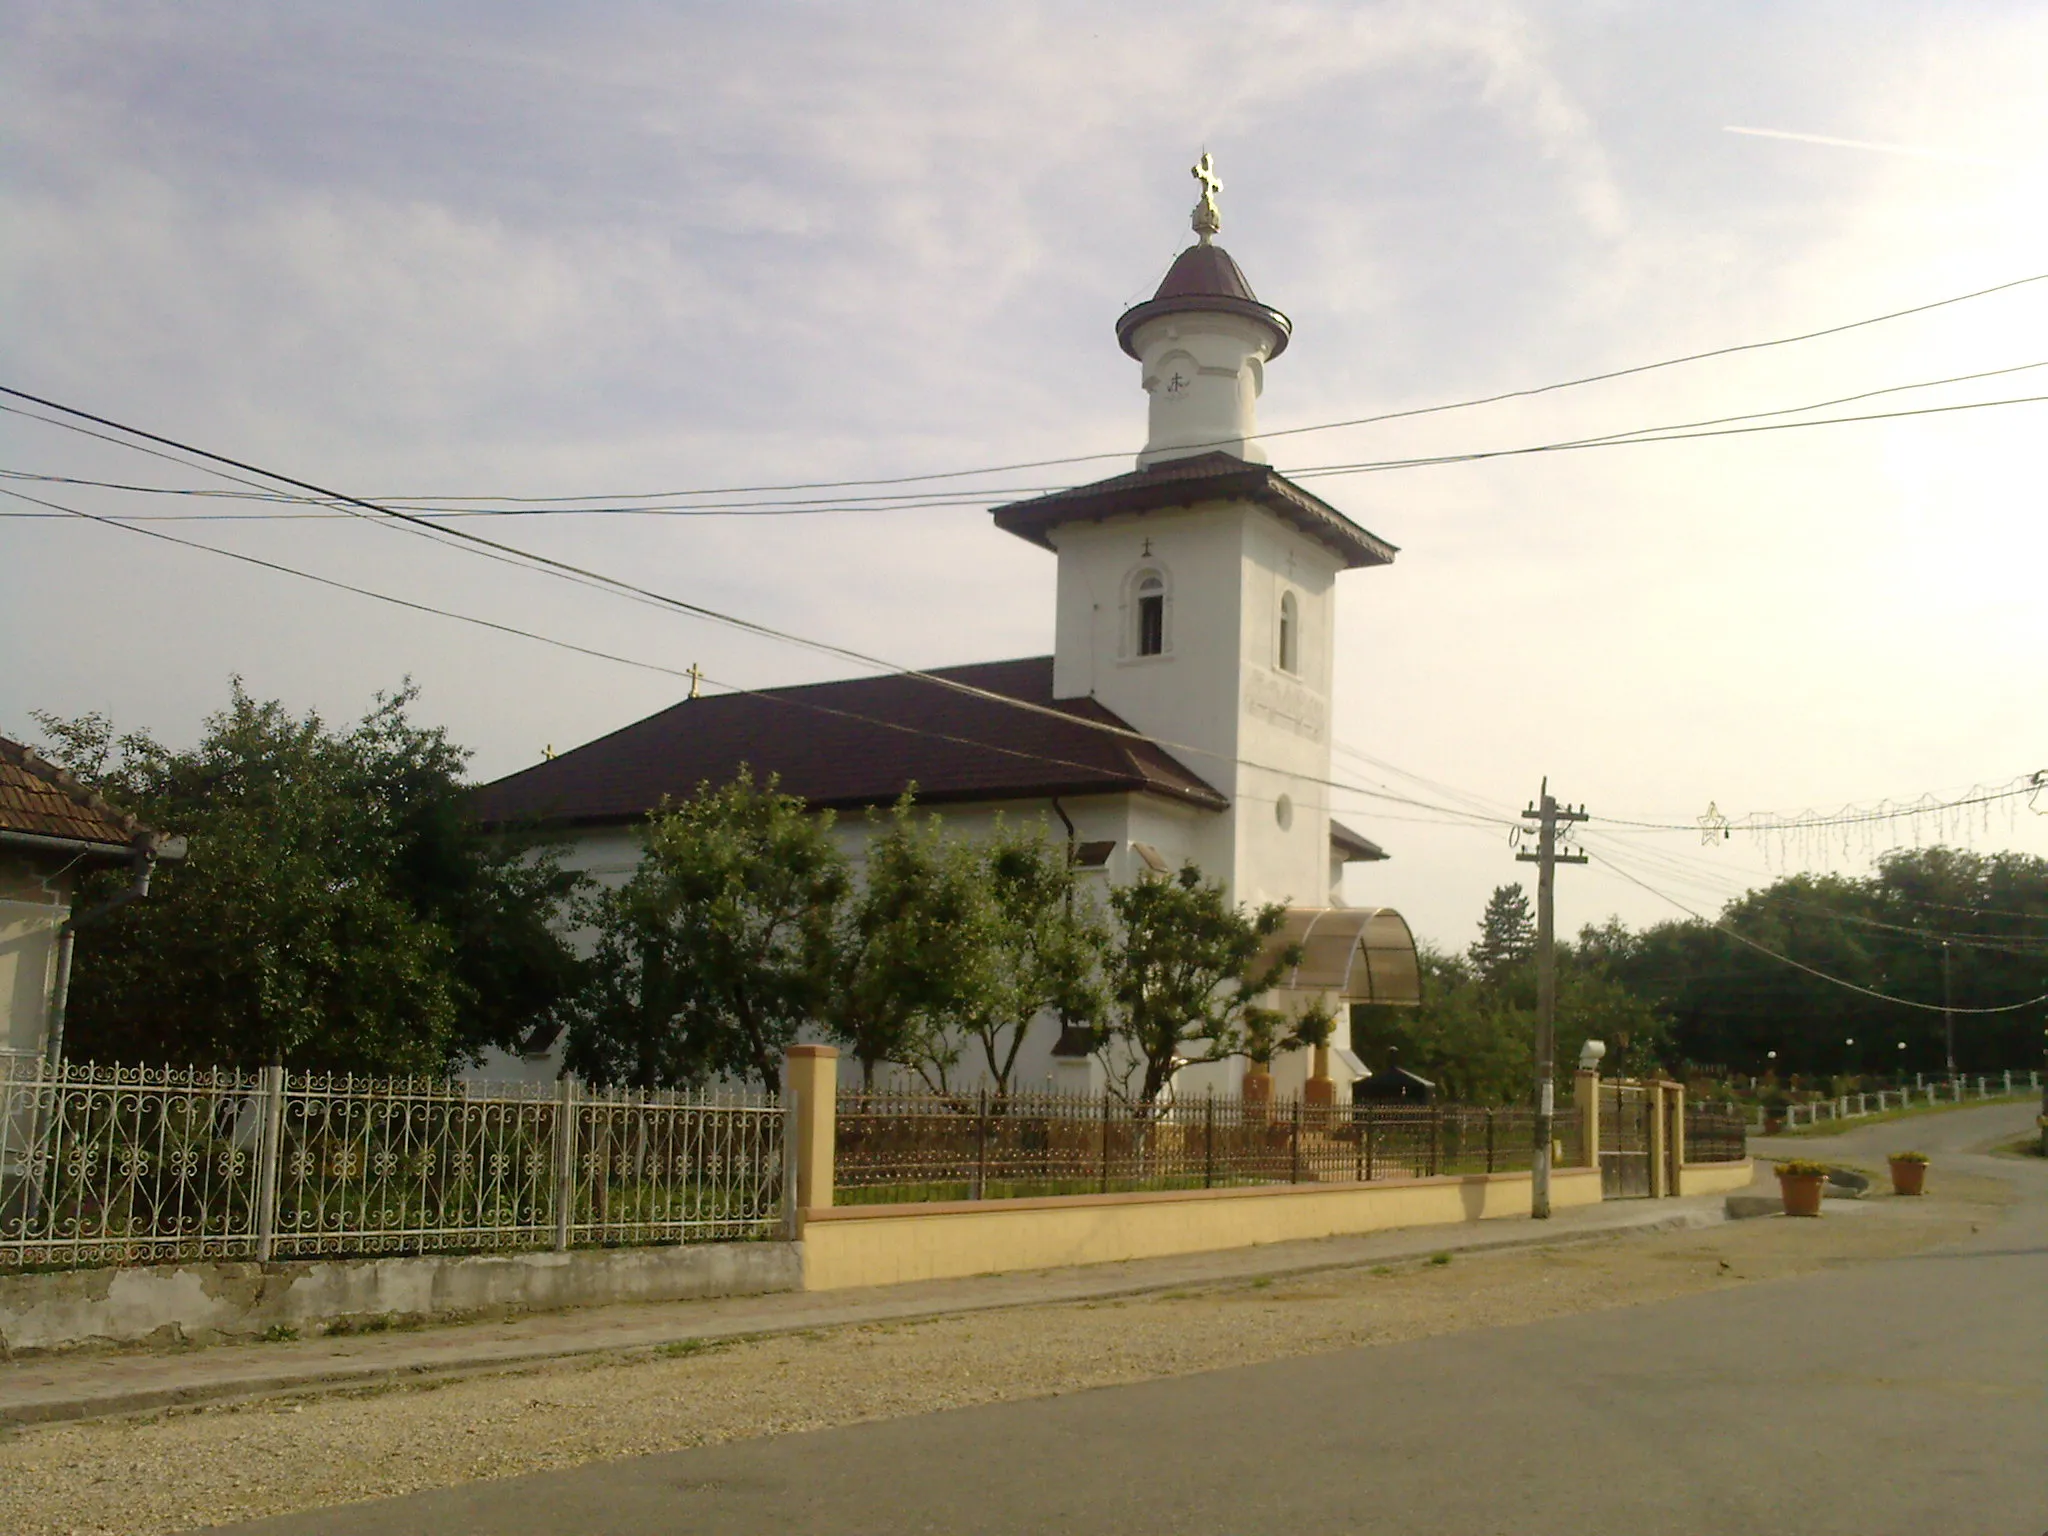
(1203, 342)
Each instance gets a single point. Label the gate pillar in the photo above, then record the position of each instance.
(1660, 1172)
(1586, 1094)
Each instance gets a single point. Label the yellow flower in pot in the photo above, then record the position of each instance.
(1800, 1183)
(1909, 1173)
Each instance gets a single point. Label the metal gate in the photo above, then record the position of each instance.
(1625, 1110)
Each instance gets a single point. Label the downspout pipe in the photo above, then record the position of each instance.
(143, 862)
(1068, 821)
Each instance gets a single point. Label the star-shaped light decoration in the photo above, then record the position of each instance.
(1714, 826)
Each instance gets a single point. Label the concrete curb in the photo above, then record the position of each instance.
(862, 1309)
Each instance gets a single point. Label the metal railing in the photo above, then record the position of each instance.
(1715, 1134)
(122, 1165)
(906, 1147)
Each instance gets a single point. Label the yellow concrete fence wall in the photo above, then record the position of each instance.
(889, 1244)
(1715, 1178)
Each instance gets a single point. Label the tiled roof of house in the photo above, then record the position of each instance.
(851, 744)
(1185, 483)
(42, 800)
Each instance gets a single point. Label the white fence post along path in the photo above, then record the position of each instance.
(123, 1165)
(1850, 1106)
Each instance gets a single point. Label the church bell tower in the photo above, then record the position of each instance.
(1203, 341)
(1197, 596)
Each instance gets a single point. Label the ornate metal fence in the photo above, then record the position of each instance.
(1715, 1133)
(115, 1165)
(918, 1146)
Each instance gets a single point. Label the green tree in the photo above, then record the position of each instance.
(1475, 1037)
(338, 906)
(718, 949)
(1736, 1005)
(1507, 933)
(1184, 981)
(911, 950)
(1048, 946)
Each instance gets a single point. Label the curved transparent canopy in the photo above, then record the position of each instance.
(1365, 954)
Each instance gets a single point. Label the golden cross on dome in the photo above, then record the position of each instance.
(1207, 220)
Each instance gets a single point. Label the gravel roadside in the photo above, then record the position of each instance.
(187, 1470)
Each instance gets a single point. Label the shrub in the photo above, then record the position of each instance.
(1803, 1168)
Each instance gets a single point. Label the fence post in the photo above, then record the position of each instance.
(565, 1159)
(1489, 1140)
(1660, 1141)
(1104, 1184)
(268, 1154)
(813, 1075)
(1678, 1138)
(980, 1143)
(1294, 1144)
(1209, 1140)
(1586, 1093)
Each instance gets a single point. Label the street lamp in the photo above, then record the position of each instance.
(1590, 1055)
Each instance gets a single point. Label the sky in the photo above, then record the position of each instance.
(533, 250)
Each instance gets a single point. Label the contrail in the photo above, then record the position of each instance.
(1913, 150)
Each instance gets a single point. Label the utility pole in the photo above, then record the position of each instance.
(1948, 1018)
(1547, 814)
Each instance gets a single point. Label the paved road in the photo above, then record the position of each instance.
(1904, 1396)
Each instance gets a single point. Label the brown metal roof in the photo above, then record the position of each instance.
(42, 800)
(1204, 278)
(852, 744)
(1356, 847)
(1186, 482)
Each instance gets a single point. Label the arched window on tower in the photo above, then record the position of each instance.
(1148, 614)
(1290, 633)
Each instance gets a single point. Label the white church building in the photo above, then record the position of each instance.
(1184, 713)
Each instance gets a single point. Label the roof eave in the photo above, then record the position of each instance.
(1035, 520)
(1200, 798)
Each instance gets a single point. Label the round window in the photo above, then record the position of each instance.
(1283, 812)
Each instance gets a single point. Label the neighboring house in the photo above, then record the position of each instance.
(52, 830)
(1183, 715)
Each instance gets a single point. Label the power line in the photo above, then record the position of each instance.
(1716, 883)
(1327, 426)
(1626, 441)
(2026, 784)
(1800, 965)
(476, 543)
(779, 697)
(323, 508)
(916, 501)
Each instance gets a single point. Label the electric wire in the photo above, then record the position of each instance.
(1328, 426)
(777, 696)
(1800, 965)
(1715, 426)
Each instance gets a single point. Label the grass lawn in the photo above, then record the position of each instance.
(1857, 1122)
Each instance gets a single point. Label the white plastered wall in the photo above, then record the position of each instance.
(33, 908)
(1217, 698)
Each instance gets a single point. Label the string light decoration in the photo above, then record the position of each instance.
(1810, 839)
(1713, 826)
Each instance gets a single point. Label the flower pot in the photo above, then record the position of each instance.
(1802, 1192)
(1909, 1176)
